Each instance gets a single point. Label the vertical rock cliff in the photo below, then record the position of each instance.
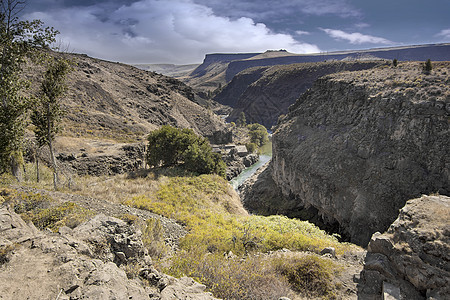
(357, 145)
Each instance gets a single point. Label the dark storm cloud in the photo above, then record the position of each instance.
(278, 8)
(178, 31)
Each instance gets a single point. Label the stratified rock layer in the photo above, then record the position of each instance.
(358, 145)
(413, 255)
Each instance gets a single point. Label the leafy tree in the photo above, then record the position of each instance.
(241, 121)
(427, 67)
(46, 113)
(258, 134)
(169, 146)
(18, 40)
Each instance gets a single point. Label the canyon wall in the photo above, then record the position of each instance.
(358, 145)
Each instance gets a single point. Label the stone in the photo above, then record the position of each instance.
(84, 263)
(329, 250)
(390, 292)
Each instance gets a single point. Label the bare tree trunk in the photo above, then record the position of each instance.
(53, 159)
(37, 165)
(15, 168)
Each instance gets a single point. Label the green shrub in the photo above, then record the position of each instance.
(258, 134)
(427, 67)
(66, 214)
(170, 146)
(251, 147)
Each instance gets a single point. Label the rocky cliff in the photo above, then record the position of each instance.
(265, 93)
(357, 145)
(411, 260)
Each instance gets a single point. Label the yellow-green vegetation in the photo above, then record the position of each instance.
(308, 274)
(44, 212)
(215, 229)
(252, 277)
(214, 225)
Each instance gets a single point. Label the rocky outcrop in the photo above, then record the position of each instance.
(101, 259)
(412, 257)
(358, 145)
(114, 159)
(236, 163)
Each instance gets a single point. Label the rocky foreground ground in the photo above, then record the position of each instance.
(83, 263)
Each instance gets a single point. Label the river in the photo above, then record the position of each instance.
(264, 157)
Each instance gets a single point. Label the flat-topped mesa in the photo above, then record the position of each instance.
(358, 145)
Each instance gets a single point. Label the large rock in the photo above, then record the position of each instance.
(358, 145)
(413, 255)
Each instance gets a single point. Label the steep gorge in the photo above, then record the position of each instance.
(358, 145)
(265, 93)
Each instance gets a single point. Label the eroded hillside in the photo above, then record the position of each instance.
(118, 101)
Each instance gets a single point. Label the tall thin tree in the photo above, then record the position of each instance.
(18, 40)
(47, 112)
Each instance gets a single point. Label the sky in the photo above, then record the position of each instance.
(183, 31)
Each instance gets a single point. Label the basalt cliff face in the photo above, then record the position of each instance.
(358, 145)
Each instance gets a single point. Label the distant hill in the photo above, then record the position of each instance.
(170, 70)
(219, 69)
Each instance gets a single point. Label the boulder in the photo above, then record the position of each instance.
(412, 258)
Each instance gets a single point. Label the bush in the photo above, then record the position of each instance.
(251, 147)
(395, 62)
(170, 146)
(258, 134)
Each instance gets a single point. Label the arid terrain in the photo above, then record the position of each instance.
(354, 141)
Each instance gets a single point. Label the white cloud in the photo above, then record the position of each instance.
(301, 32)
(362, 25)
(356, 37)
(175, 31)
(444, 33)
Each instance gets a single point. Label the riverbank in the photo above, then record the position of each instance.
(264, 157)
